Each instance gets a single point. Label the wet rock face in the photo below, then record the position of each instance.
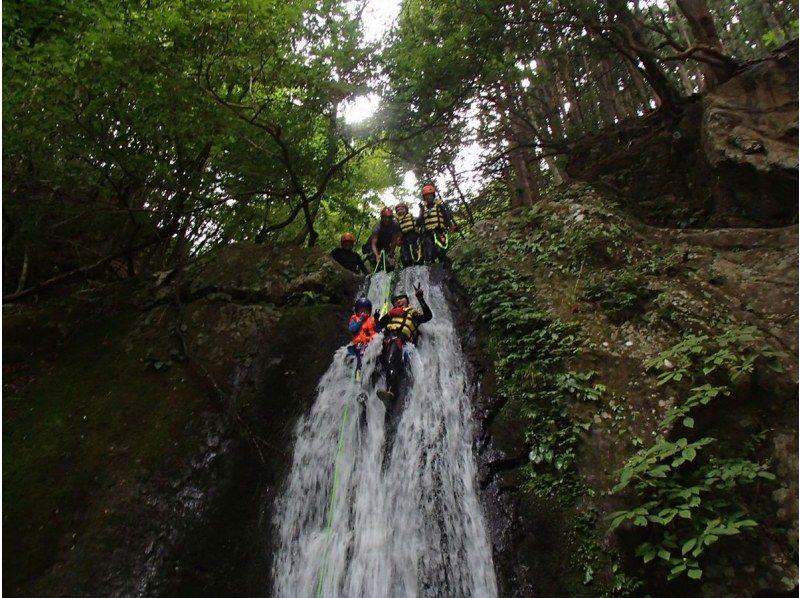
(190, 385)
(749, 137)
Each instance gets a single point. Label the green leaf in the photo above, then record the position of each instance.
(688, 545)
(688, 422)
(695, 573)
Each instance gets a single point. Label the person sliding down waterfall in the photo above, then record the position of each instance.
(362, 327)
(401, 326)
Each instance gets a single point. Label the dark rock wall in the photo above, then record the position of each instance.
(730, 159)
(164, 413)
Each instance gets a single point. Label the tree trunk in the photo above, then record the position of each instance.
(23, 277)
(567, 76)
(604, 102)
(638, 51)
(461, 197)
(704, 32)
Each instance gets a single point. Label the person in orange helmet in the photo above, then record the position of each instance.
(347, 257)
(435, 220)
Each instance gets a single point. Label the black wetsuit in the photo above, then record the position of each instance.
(394, 366)
(394, 341)
(349, 259)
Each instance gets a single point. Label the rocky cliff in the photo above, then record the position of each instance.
(148, 424)
(637, 356)
(729, 159)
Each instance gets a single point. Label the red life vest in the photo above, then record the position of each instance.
(367, 331)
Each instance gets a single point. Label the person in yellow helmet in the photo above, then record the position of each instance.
(435, 220)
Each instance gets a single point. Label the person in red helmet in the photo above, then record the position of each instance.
(410, 252)
(347, 257)
(435, 220)
(385, 238)
(400, 326)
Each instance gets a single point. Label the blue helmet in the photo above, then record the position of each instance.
(361, 303)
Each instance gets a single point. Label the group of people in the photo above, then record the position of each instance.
(400, 325)
(420, 240)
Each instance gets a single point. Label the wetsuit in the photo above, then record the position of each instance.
(401, 326)
(386, 236)
(349, 259)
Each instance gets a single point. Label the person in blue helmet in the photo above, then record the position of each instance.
(362, 327)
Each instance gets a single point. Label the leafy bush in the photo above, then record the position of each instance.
(687, 497)
(623, 296)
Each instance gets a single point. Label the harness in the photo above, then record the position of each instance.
(407, 224)
(402, 322)
(433, 217)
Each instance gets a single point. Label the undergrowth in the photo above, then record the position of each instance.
(687, 495)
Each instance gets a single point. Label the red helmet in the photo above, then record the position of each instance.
(428, 189)
(402, 205)
(347, 237)
(387, 212)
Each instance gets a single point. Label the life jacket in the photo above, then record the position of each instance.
(366, 332)
(402, 322)
(407, 224)
(433, 217)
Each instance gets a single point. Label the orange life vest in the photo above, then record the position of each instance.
(367, 331)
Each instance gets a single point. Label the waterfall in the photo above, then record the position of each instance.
(407, 525)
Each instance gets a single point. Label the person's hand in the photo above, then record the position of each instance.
(454, 228)
(377, 315)
(418, 292)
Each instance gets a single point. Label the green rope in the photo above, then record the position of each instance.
(418, 257)
(332, 504)
(446, 241)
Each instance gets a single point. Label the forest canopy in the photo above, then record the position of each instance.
(138, 135)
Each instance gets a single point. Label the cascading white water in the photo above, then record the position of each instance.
(410, 525)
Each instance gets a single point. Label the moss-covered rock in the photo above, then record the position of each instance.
(576, 301)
